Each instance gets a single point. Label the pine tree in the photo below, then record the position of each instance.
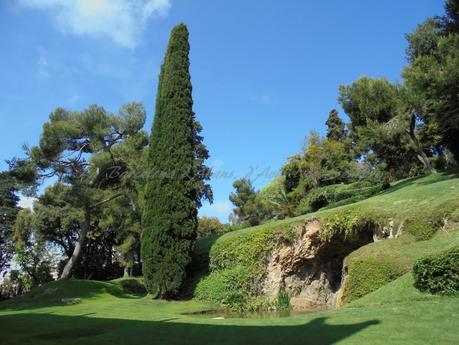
(175, 182)
(335, 126)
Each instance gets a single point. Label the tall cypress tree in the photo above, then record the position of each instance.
(335, 126)
(172, 192)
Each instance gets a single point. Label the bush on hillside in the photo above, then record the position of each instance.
(229, 287)
(438, 273)
(209, 225)
(422, 230)
(236, 264)
(133, 286)
(337, 195)
(366, 275)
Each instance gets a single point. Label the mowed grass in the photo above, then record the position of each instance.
(395, 314)
(412, 196)
(110, 313)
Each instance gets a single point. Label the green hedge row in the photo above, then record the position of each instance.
(438, 273)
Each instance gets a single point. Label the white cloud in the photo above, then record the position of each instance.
(26, 202)
(73, 99)
(42, 64)
(222, 208)
(123, 21)
(264, 98)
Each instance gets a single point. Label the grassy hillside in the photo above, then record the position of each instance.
(119, 312)
(377, 264)
(418, 206)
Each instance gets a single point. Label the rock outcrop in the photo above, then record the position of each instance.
(309, 268)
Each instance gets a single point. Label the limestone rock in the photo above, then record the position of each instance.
(308, 268)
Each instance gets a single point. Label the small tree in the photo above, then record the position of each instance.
(208, 226)
(31, 253)
(335, 126)
(249, 208)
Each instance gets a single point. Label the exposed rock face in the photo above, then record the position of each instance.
(308, 268)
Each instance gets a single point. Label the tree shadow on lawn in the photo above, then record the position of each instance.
(58, 329)
(63, 291)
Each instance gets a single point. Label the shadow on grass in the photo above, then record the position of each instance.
(57, 329)
(52, 294)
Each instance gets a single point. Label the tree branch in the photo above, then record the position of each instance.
(107, 200)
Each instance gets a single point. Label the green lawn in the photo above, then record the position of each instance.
(394, 314)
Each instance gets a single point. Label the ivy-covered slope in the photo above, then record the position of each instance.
(408, 214)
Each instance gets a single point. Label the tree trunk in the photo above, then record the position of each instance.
(420, 153)
(127, 272)
(67, 272)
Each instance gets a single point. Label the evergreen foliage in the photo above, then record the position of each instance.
(335, 126)
(31, 252)
(209, 225)
(249, 210)
(176, 177)
(8, 212)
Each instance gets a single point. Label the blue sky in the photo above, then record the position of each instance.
(264, 73)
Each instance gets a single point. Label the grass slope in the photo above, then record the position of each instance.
(421, 204)
(377, 264)
(118, 312)
(407, 197)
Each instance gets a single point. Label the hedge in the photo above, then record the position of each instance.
(438, 273)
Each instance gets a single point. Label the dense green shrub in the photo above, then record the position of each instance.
(302, 207)
(369, 274)
(438, 273)
(209, 225)
(230, 287)
(337, 195)
(133, 286)
(236, 264)
(318, 199)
